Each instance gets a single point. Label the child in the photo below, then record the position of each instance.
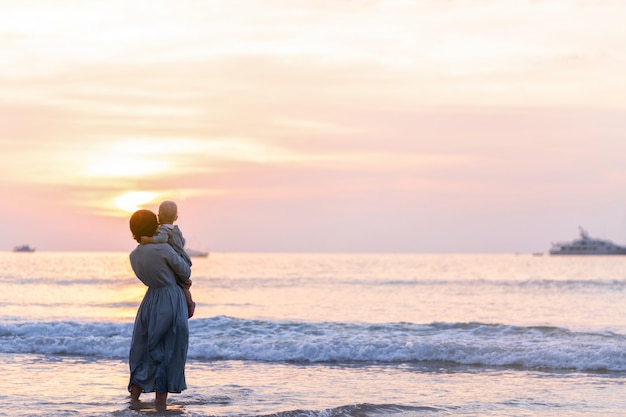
(171, 234)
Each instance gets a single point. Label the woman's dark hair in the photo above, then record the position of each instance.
(143, 223)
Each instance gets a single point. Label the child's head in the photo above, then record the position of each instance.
(168, 212)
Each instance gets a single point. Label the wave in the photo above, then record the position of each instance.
(356, 410)
(363, 409)
(576, 285)
(228, 338)
(534, 284)
(594, 285)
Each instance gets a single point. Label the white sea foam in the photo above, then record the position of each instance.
(283, 341)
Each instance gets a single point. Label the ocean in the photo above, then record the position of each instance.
(326, 335)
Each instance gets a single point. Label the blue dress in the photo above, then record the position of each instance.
(158, 350)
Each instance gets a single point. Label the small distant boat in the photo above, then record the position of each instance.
(23, 248)
(587, 245)
(196, 253)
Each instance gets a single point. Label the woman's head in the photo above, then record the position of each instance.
(143, 223)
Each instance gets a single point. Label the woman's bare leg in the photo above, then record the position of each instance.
(161, 399)
(135, 392)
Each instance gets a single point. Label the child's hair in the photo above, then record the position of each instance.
(168, 212)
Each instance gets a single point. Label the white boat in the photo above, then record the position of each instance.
(587, 245)
(23, 248)
(196, 253)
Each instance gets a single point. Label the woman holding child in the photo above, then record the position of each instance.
(160, 339)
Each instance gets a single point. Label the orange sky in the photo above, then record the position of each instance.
(389, 126)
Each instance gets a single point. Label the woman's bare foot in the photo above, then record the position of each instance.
(190, 309)
(136, 405)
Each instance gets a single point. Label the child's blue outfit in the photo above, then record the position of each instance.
(171, 234)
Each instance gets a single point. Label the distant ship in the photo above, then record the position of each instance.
(196, 253)
(23, 248)
(587, 245)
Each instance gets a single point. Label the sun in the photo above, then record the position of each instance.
(133, 200)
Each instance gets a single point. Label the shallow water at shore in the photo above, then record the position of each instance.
(326, 335)
(233, 388)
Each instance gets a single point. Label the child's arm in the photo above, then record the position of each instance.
(162, 236)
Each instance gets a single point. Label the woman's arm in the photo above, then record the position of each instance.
(177, 264)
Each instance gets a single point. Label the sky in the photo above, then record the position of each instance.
(430, 126)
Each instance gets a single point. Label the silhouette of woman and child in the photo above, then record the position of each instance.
(160, 339)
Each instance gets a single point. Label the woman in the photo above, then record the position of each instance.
(158, 349)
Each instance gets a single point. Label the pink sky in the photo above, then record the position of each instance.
(386, 126)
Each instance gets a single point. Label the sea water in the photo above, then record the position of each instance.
(326, 335)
